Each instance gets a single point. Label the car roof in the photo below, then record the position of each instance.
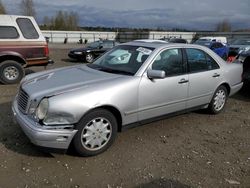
(157, 44)
(8, 19)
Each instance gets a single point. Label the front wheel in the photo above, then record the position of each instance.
(11, 72)
(97, 131)
(218, 101)
(89, 58)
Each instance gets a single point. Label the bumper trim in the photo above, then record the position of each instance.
(39, 135)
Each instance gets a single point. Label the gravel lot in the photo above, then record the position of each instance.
(190, 150)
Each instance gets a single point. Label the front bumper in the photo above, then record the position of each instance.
(76, 56)
(42, 136)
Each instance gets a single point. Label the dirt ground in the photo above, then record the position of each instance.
(190, 150)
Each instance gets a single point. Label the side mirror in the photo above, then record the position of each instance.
(156, 74)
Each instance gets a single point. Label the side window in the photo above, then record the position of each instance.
(196, 60)
(169, 61)
(213, 46)
(211, 63)
(107, 45)
(219, 45)
(27, 28)
(8, 32)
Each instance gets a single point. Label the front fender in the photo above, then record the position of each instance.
(74, 105)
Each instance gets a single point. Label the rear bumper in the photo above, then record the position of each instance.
(42, 136)
(236, 88)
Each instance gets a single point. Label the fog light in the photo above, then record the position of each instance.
(62, 138)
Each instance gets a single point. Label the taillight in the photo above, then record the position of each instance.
(46, 50)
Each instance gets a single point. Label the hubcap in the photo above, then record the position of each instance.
(11, 73)
(219, 100)
(89, 57)
(96, 134)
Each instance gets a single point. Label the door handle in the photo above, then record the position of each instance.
(182, 81)
(216, 75)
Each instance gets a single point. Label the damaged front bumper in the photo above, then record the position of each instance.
(43, 136)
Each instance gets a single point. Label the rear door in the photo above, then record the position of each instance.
(204, 77)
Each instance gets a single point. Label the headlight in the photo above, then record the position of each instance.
(42, 109)
(78, 53)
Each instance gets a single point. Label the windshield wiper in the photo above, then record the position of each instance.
(116, 71)
(109, 70)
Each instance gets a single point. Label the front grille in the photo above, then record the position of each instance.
(22, 100)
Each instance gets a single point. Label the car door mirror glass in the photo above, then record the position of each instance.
(156, 74)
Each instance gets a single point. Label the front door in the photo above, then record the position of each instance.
(163, 96)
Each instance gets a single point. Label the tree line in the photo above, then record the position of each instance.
(61, 21)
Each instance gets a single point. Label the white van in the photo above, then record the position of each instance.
(214, 39)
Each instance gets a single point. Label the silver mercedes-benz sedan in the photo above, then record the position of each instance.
(84, 106)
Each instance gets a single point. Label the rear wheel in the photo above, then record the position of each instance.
(97, 131)
(218, 101)
(11, 72)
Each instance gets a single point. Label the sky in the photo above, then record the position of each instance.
(167, 14)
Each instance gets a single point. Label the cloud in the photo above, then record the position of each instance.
(192, 14)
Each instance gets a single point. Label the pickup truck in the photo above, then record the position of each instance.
(21, 45)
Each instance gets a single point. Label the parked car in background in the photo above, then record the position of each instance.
(132, 84)
(244, 58)
(174, 40)
(218, 47)
(166, 39)
(239, 45)
(213, 39)
(178, 40)
(92, 50)
(21, 45)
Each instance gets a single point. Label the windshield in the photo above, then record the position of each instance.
(122, 59)
(94, 44)
(241, 42)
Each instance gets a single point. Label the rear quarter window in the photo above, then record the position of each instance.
(8, 32)
(27, 28)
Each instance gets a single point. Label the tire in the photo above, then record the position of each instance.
(94, 138)
(11, 72)
(219, 100)
(89, 58)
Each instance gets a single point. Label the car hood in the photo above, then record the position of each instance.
(63, 80)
